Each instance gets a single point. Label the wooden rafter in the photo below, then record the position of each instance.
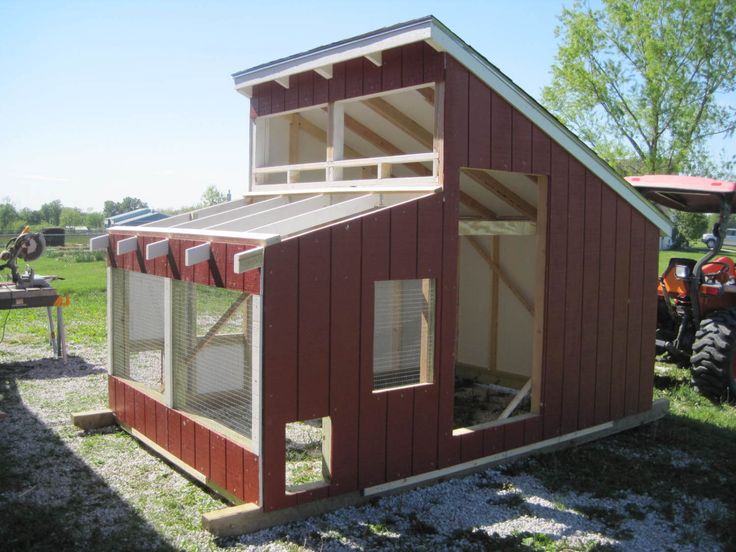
(470, 201)
(382, 144)
(315, 132)
(501, 274)
(503, 192)
(427, 94)
(401, 120)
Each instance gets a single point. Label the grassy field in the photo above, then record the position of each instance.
(85, 283)
(681, 463)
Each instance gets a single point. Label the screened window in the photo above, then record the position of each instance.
(403, 333)
(212, 354)
(138, 328)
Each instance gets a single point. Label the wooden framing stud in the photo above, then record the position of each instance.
(473, 241)
(401, 120)
(491, 184)
(428, 94)
(469, 201)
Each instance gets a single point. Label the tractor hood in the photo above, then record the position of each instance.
(696, 194)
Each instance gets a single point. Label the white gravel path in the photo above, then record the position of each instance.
(103, 491)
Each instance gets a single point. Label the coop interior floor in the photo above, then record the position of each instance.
(477, 402)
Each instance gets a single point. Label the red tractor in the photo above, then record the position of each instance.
(696, 316)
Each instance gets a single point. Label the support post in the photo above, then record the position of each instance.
(335, 139)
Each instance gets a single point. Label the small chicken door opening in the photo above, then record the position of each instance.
(501, 288)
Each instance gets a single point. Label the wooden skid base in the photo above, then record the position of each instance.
(93, 419)
(247, 518)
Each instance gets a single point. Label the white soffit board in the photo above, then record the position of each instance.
(442, 39)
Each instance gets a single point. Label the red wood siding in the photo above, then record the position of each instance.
(404, 66)
(376, 437)
(219, 271)
(225, 463)
(600, 314)
(599, 308)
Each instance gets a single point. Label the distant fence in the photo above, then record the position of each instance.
(57, 237)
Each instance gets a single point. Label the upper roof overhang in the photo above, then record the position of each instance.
(695, 194)
(429, 29)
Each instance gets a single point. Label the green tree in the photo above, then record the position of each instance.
(112, 208)
(212, 196)
(692, 226)
(94, 220)
(9, 220)
(51, 212)
(71, 216)
(640, 81)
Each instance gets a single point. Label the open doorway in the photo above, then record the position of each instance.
(501, 287)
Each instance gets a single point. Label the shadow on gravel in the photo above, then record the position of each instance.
(49, 498)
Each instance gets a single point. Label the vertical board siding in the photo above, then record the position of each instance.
(591, 258)
(501, 133)
(412, 70)
(202, 449)
(553, 362)
(649, 317)
(225, 464)
(400, 410)
(409, 65)
(345, 355)
(621, 312)
(429, 265)
(634, 324)
(218, 460)
(573, 295)
(280, 359)
(314, 326)
(372, 78)
(606, 305)
(456, 126)
(372, 422)
(479, 125)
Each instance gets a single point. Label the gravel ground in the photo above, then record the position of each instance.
(101, 490)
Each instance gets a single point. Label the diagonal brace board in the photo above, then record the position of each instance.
(495, 187)
(473, 241)
(216, 327)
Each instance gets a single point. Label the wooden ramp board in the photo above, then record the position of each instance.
(93, 419)
(247, 518)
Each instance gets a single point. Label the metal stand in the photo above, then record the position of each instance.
(12, 297)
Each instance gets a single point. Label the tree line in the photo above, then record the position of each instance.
(55, 214)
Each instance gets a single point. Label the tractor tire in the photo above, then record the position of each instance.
(713, 362)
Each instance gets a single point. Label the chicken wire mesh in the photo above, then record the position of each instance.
(403, 333)
(211, 354)
(138, 328)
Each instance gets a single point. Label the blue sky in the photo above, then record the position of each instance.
(99, 100)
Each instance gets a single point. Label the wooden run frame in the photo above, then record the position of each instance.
(166, 396)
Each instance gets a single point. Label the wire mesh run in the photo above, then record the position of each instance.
(403, 333)
(211, 358)
(138, 328)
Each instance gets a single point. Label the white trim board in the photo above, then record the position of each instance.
(437, 35)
